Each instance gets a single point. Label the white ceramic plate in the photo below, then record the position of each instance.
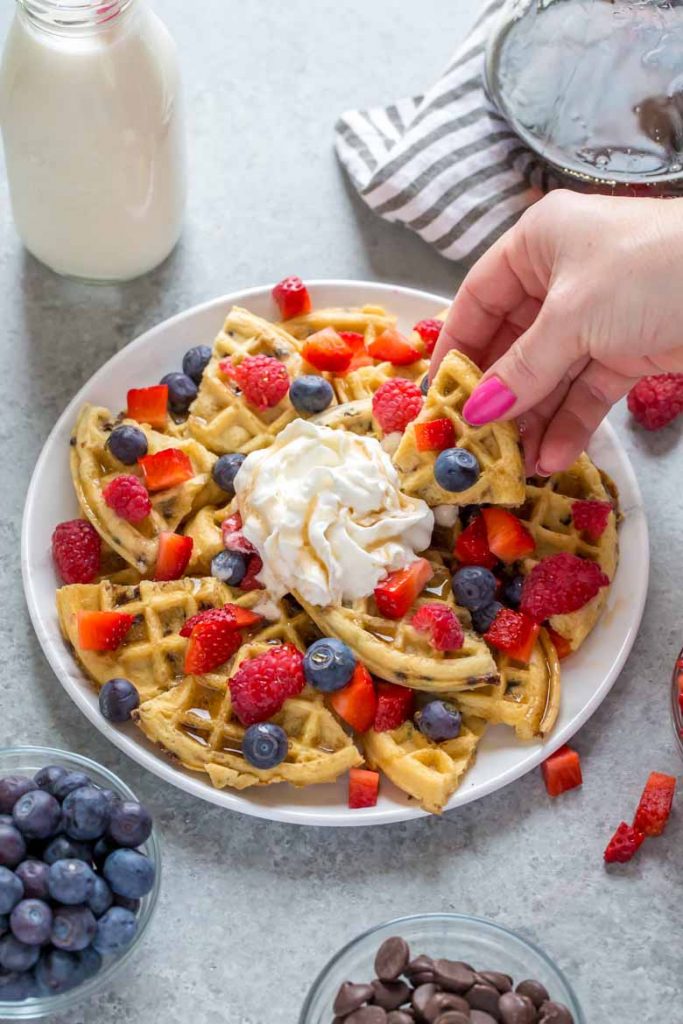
(587, 675)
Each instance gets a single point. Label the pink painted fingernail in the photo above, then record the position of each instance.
(540, 471)
(489, 401)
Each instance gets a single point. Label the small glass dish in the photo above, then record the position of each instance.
(27, 761)
(677, 700)
(452, 936)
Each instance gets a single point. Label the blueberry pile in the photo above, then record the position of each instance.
(71, 879)
(182, 387)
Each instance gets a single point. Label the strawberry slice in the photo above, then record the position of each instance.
(514, 633)
(395, 705)
(149, 405)
(249, 581)
(292, 297)
(560, 643)
(395, 594)
(232, 615)
(393, 347)
(625, 842)
(360, 356)
(655, 804)
(174, 554)
(363, 787)
(562, 771)
(429, 331)
(508, 538)
(327, 350)
(102, 631)
(356, 703)
(168, 468)
(211, 643)
(233, 538)
(472, 545)
(435, 435)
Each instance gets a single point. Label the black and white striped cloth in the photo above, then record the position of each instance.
(445, 164)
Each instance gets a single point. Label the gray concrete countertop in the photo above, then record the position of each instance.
(251, 910)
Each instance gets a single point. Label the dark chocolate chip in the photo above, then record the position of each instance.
(390, 994)
(534, 991)
(453, 1017)
(350, 997)
(480, 1017)
(401, 1017)
(392, 959)
(554, 1013)
(443, 1001)
(484, 997)
(421, 997)
(367, 1015)
(516, 1009)
(453, 975)
(503, 982)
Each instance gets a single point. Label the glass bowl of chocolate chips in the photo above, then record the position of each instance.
(441, 969)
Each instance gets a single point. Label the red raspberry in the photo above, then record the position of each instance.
(76, 549)
(591, 517)
(233, 538)
(263, 379)
(559, 584)
(249, 581)
(261, 685)
(396, 403)
(128, 497)
(429, 331)
(623, 844)
(656, 401)
(442, 624)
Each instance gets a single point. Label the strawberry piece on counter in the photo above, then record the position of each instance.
(560, 643)
(212, 642)
(655, 804)
(292, 297)
(508, 538)
(591, 517)
(356, 703)
(442, 625)
(435, 435)
(174, 555)
(391, 346)
(231, 615)
(327, 350)
(429, 331)
(625, 842)
(395, 594)
(168, 468)
(149, 405)
(77, 551)
(396, 403)
(657, 400)
(562, 771)
(559, 584)
(395, 706)
(102, 631)
(472, 545)
(514, 633)
(363, 787)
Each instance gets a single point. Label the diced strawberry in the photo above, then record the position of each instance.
(655, 804)
(508, 538)
(356, 703)
(363, 787)
(394, 706)
(472, 545)
(212, 642)
(396, 593)
(391, 346)
(514, 633)
(149, 405)
(168, 468)
(327, 350)
(233, 538)
(562, 771)
(429, 330)
(249, 581)
(560, 643)
(591, 517)
(435, 435)
(102, 631)
(231, 615)
(292, 297)
(442, 625)
(361, 356)
(625, 842)
(174, 555)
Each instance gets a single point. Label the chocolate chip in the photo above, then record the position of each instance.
(516, 1009)
(484, 997)
(400, 1017)
(390, 994)
(443, 1001)
(534, 991)
(503, 982)
(367, 1015)
(453, 1017)
(554, 1013)
(453, 975)
(420, 967)
(480, 1017)
(392, 959)
(421, 997)
(350, 997)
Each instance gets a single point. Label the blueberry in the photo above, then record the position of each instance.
(101, 897)
(118, 698)
(310, 393)
(439, 721)
(224, 471)
(64, 848)
(115, 930)
(4, 923)
(182, 391)
(229, 567)
(329, 664)
(512, 591)
(101, 850)
(31, 922)
(70, 881)
(89, 961)
(14, 988)
(130, 824)
(129, 873)
(48, 777)
(474, 587)
(11, 890)
(37, 814)
(86, 813)
(483, 617)
(456, 469)
(127, 444)
(265, 745)
(58, 971)
(12, 846)
(69, 782)
(73, 928)
(17, 956)
(6, 819)
(195, 362)
(127, 903)
(33, 874)
(424, 384)
(11, 788)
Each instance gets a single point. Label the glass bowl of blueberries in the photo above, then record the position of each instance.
(442, 969)
(79, 879)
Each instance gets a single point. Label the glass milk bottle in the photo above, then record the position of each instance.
(93, 136)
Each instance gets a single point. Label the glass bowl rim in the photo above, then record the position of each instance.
(41, 1006)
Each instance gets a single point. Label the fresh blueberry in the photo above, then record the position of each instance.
(33, 874)
(86, 813)
(73, 928)
(456, 469)
(14, 988)
(127, 903)
(4, 923)
(11, 890)
(58, 971)
(101, 850)
(31, 922)
(438, 721)
(512, 591)
(329, 664)
(115, 930)
(310, 393)
(11, 788)
(129, 873)
(474, 587)
(265, 745)
(12, 846)
(424, 384)
(195, 362)
(69, 782)
(229, 567)
(101, 897)
(224, 471)
(130, 824)
(127, 444)
(118, 698)
(90, 961)
(483, 617)
(6, 819)
(37, 815)
(17, 956)
(64, 848)
(182, 391)
(48, 777)
(70, 881)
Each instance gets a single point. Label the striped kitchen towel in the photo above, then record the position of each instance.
(445, 164)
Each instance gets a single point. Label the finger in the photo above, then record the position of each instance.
(534, 423)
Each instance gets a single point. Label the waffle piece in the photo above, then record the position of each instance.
(355, 417)
(495, 445)
(428, 771)
(526, 697)
(207, 539)
(547, 513)
(363, 382)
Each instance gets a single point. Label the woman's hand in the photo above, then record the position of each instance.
(576, 302)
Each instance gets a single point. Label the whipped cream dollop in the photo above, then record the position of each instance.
(324, 510)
